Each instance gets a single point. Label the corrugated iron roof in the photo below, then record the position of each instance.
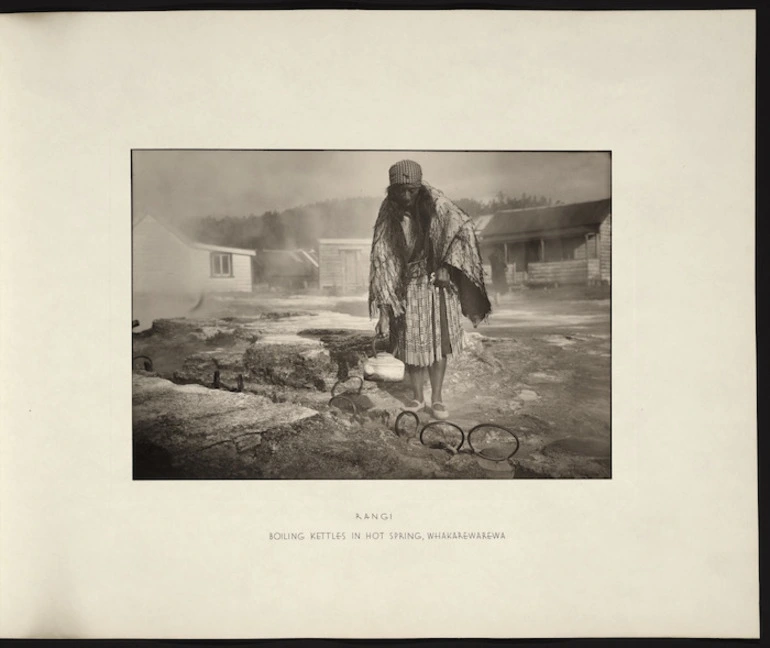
(311, 256)
(541, 219)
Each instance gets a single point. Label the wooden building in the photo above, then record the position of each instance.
(293, 269)
(165, 261)
(562, 244)
(344, 265)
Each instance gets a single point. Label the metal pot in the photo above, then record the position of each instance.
(383, 367)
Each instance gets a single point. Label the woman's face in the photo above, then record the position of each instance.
(404, 194)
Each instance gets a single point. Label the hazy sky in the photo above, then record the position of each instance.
(180, 185)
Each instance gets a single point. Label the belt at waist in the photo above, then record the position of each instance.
(417, 269)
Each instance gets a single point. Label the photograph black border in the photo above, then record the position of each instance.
(396, 151)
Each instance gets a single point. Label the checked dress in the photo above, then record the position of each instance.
(431, 327)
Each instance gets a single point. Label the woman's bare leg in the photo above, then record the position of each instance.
(417, 379)
(437, 371)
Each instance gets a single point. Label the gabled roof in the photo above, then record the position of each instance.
(544, 219)
(190, 242)
(222, 248)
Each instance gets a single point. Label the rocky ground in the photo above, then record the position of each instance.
(239, 391)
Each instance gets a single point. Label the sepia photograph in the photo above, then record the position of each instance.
(371, 314)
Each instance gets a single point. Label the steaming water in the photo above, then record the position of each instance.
(513, 315)
(147, 308)
(323, 312)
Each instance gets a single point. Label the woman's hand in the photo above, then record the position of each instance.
(383, 325)
(441, 278)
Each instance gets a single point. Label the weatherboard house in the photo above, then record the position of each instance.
(165, 261)
(561, 244)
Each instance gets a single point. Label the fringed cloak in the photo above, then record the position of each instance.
(451, 242)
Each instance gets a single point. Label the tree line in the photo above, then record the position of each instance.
(301, 227)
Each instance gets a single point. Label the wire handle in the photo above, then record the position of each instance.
(465, 438)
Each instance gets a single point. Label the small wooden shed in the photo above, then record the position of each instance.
(564, 244)
(344, 264)
(294, 269)
(166, 261)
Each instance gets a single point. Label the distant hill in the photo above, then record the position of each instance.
(301, 227)
(348, 218)
(298, 227)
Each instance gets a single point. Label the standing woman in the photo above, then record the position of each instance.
(425, 271)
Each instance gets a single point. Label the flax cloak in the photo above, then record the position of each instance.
(451, 242)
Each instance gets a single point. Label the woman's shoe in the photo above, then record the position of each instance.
(440, 411)
(414, 406)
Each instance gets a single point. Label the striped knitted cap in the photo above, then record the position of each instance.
(405, 172)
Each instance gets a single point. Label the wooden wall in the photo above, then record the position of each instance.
(164, 264)
(605, 249)
(562, 272)
(241, 281)
(344, 267)
(161, 262)
(594, 272)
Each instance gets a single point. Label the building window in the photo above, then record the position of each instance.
(221, 264)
